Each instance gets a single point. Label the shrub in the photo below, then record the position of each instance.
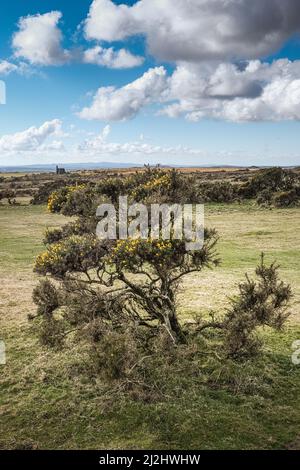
(44, 191)
(260, 303)
(52, 332)
(76, 254)
(265, 197)
(157, 266)
(220, 191)
(53, 236)
(272, 179)
(60, 198)
(287, 198)
(122, 294)
(8, 194)
(112, 188)
(151, 185)
(80, 226)
(115, 355)
(46, 297)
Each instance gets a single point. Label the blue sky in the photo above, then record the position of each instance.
(154, 82)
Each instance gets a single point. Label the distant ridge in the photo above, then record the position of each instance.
(46, 168)
(94, 166)
(51, 167)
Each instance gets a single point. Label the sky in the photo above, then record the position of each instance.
(183, 82)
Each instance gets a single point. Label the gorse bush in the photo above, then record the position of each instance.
(287, 198)
(64, 198)
(261, 302)
(164, 186)
(46, 189)
(265, 197)
(150, 186)
(45, 296)
(121, 295)
(219, 191)
(8, 194)
(273, 179)
(148, 299)
(274, 186)
(76, 254)
(279, 199)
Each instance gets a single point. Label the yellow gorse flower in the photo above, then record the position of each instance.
(56, 252)
(56, 195)
(124, 251)
(161, 181)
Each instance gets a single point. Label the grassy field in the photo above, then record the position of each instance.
(47, 400)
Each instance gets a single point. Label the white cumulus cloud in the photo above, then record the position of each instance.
(117, 104)
(250, 91)
(196, 30)
(7, 67)
(31, 139)
(39, 39)
(217, 48)
(100, 146)
(108, 57)
(256, 91)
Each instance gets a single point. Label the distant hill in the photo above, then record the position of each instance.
(92, 166)
(46, 168)
(68, 166)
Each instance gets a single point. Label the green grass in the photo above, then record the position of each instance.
(48, 399)
(245, 232)
(21, 234)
